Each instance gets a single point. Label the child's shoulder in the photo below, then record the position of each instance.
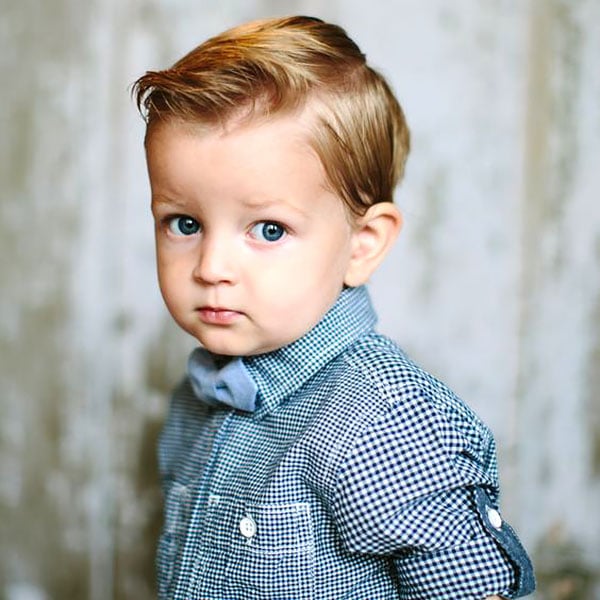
(389, 374)
(378, 391)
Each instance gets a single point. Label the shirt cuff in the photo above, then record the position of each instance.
(494, 562)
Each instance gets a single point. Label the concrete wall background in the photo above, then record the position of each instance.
(494, 284)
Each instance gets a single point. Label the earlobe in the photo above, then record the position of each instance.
(373, 236)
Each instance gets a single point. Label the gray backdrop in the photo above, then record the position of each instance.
(494, 284)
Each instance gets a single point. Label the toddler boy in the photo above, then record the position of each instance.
(304, 456)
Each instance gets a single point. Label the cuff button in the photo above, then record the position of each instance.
(494, 518)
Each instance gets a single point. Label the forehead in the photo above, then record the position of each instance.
(266, 159)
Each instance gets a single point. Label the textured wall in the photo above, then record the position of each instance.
(494, 284)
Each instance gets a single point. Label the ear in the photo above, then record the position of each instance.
(373, 236)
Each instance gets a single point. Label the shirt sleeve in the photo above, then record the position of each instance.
(419, 486)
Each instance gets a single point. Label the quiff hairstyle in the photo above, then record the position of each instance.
(277, 66)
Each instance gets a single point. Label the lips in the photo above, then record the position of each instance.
(214, 315)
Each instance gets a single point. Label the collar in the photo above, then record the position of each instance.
(280, 373)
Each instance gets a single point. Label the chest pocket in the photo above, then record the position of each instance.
(257, 552)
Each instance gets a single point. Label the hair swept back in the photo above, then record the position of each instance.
(276, 66)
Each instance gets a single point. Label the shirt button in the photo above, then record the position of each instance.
(494, 518)
(248, 527)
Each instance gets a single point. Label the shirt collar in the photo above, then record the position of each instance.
(280, 373)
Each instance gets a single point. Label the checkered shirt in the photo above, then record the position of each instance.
(359, 476)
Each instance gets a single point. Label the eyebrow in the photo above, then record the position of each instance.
(159, 200)
(166, 200)
(266, 204)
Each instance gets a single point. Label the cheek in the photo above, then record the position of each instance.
(317, 269)
(171, 280)
(299, 289)
(169, 292)
(333, 259)
(164, 272)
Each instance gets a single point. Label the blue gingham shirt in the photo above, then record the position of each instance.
(358, 476)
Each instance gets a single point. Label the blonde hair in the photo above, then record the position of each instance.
(276, 66)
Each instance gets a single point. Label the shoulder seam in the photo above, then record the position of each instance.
(387, 390)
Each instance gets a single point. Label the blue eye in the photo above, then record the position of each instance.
(268, 231)
(184, 226)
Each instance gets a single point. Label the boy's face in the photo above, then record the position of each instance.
(252, 247)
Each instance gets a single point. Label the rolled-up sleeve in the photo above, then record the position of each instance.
(492, 561)
(419, 486)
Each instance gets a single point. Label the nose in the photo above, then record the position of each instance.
(216, 261)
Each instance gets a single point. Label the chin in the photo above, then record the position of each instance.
(230, 343)
(223, 347)
(220, 349)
